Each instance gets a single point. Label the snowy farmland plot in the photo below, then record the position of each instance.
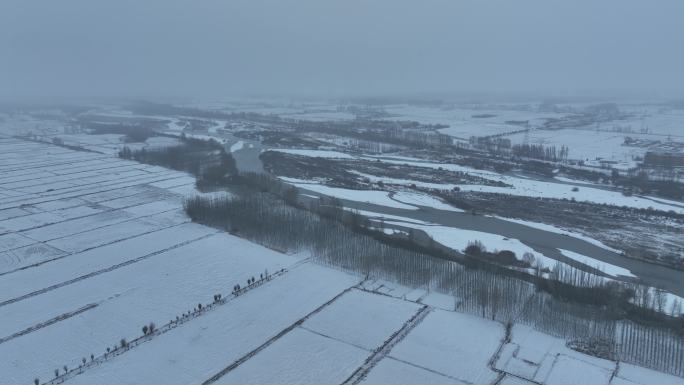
(300, 357)
(391, 371)
(362, 319)
(455, 345)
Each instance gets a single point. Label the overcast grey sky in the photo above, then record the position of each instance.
(214, 48)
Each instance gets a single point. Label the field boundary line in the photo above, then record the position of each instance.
(49, 322)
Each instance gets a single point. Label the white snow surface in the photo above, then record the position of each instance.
(376, 197)
(391, 371)
(420, 199)
(636, 375)
(461, 348)
(300, 357)
(600, 265)
(362, 319)
(239, 145)
(571, 371)
(314, 153)
(515, 381)
(458, 239)
(557, 230)
(374, 215)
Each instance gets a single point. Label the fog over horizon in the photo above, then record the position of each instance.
(221, 48)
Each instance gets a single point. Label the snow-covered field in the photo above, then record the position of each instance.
(395, 372)
(362, 319)
(88, 231)
(461, 348)
(300, 357)
(93, 247)
(603, 141)
(605, 267)
(463, 121)
(589, 145)
(195, 351)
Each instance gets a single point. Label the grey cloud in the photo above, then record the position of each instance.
(213, 48)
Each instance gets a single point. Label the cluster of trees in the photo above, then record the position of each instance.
(505, 257)
(499, 144)
(539, 151)
(149, 329)
(372, 146)
(205, 159)
(640, 182)
(601, 329)
(492, 143)
(650, 346)
(326, 230)
(133, 133)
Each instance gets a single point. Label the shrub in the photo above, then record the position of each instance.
(475, 248)
(507, 256)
